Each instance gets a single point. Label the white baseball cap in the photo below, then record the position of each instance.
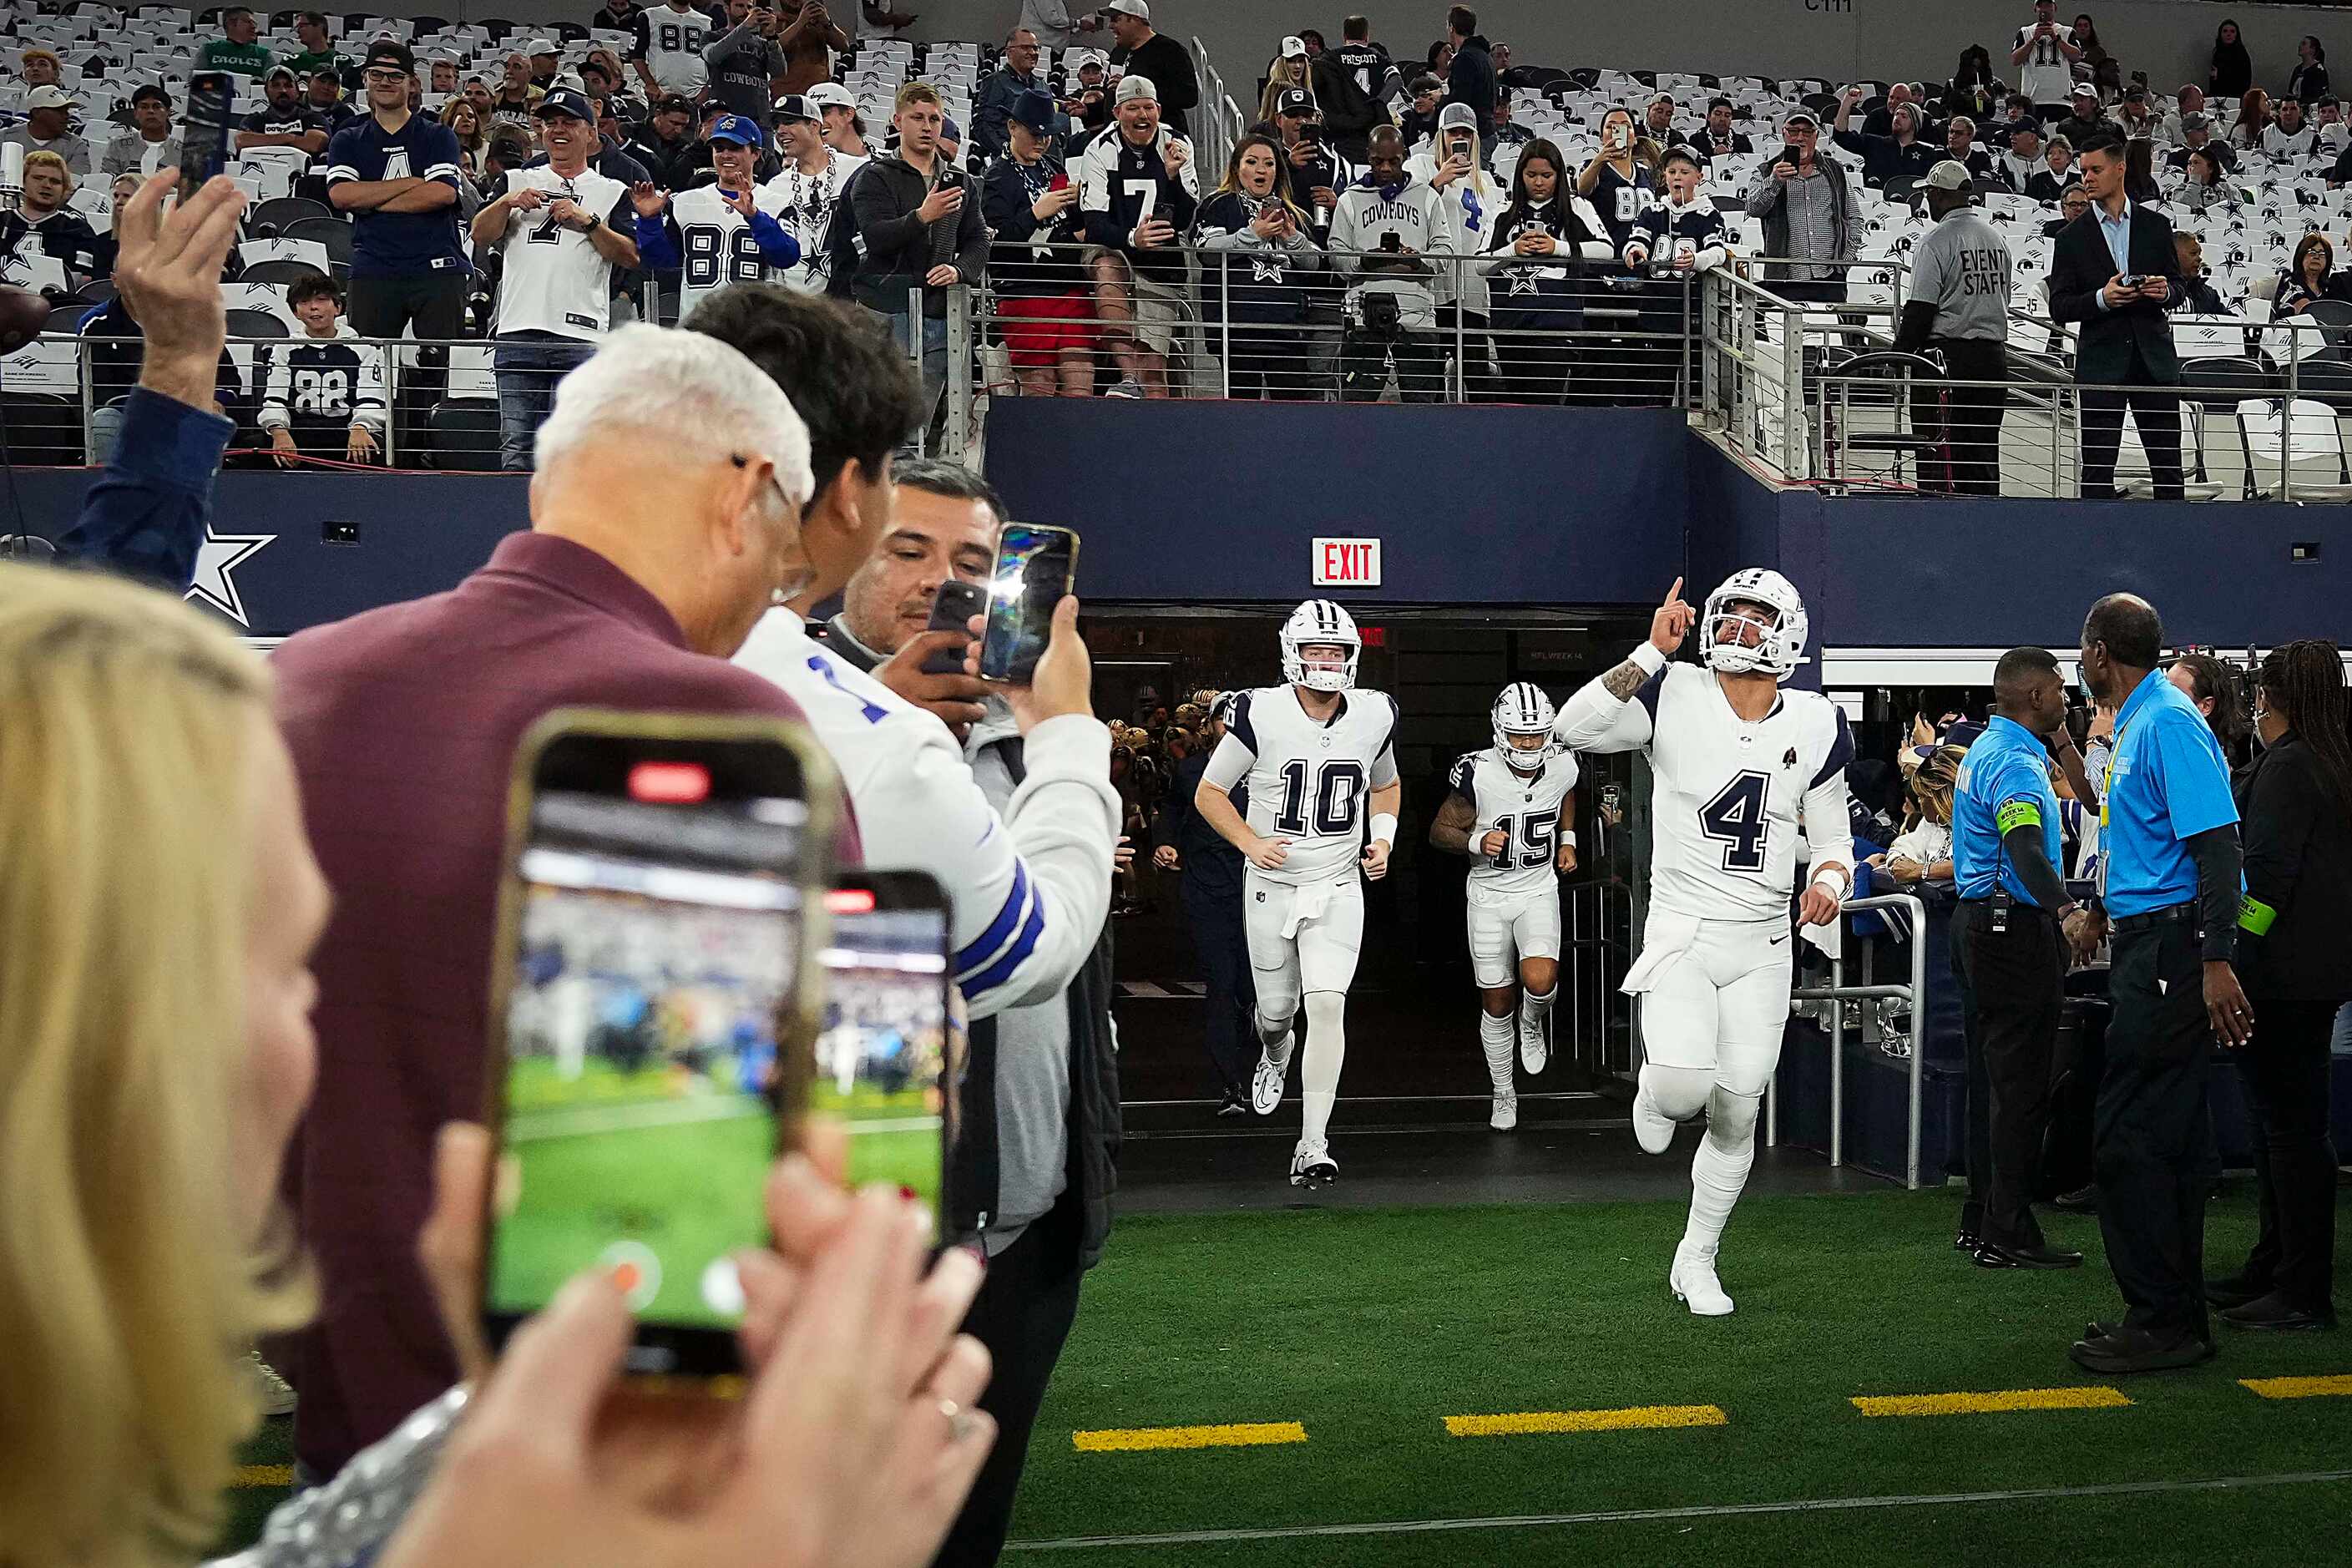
(1134, 8)
(1457, 117)
(1294, 47)
(542, 47)
(48, 98)
(1135, 86)
(830, 95)
(1079, 59)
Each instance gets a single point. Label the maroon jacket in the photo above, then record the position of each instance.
(403, 723)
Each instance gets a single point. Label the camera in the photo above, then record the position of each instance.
(1382, 316)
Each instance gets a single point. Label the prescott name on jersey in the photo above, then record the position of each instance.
(1309, 779)
(1732, 798)
(1526, 808)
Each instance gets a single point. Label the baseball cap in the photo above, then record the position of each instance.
(1294, 47)
(1134, 87)
(2016, 126)
(286, 71)
(1457, 117)
(389, 53)
(1802, 117)
(151, 89)
(740, 129)
(1134, 8)
(950, 131)
(542, 47)
(1951, 175)
(830, 95)
(2192, 120)
(675, 104)
(565, 101)
(1081, 58)
(1035, 111)
(48, 98)
(1295, 100)
(794, 107)
(2084, 89)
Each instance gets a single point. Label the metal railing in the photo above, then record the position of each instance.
(1836, 993)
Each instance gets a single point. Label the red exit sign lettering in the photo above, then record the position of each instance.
(1347, 563)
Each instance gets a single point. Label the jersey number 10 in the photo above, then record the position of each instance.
(1339, 786)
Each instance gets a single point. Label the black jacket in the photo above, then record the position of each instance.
(2298, 840)
(1883, 158)
(897, 249)
(1015, 269)
(2132, 342)
(1212, 866)
(1470, 81)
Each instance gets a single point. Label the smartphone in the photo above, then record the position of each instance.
(1392, 241)
(1035, 565)
(205, 133)
(655, 1001)
(1058, 182)
(887, 1063)
(952, 608)
(2130, 279)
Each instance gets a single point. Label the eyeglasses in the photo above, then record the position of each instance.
(776, 477)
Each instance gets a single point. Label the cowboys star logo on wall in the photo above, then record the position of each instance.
(217, 560)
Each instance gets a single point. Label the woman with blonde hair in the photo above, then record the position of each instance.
(1281, 75)
(156, 924)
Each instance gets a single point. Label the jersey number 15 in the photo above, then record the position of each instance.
(1530, 845)
(1339, 786)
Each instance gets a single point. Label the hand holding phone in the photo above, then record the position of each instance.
(205, 133)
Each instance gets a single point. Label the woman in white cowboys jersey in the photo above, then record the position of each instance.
(1740, 767)
(1316, 752)
(1510, 811)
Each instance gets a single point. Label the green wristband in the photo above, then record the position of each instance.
(2254, 917)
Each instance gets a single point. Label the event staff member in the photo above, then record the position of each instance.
(2126, 338)
(1183, 841)
(2009, 954)
(2294, 946)
(1960, 305)
(2168, 847)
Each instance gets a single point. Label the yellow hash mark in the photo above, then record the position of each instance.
(262, 1476)
(1528, 1422)
(1131, 1439)
(2094, 1397)
(2298, 1387)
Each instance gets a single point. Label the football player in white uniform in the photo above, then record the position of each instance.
(1316, 753)
(1510, 811)
(1742, 767)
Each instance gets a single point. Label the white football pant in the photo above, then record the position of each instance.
(1302, 942)
(1510, 929)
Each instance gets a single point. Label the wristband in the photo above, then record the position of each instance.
(1384, 827)
(1569, 837)
(1830, 876)
(1647, 656)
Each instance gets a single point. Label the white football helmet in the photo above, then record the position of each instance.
(1522, 709)
(1782, 648)
(1315, 623)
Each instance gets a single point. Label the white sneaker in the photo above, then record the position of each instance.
(276, 1393)
(1507, 1112)
(1692, 1282)
(1652, 1128)
(1265, 1089)
(1311, 1165)
(1535, 1044)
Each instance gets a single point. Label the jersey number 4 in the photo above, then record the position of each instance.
(1530, 845)
(1339, 786)
(1735, 819)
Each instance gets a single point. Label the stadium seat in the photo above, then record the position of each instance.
(465, 434)
(280, 214)
(281, 273)
(333, 233)
(42, 428)
(2290, 438)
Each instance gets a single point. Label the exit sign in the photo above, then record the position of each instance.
(1347, 563)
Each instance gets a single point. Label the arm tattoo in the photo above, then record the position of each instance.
(1451, 830)
(1624, 680)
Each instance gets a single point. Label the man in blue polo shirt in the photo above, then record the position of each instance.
(396, 174)
(2009, 954)
(2169, 886)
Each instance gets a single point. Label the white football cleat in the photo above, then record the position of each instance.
(1507, 1112)
(1652, 1128)
(1693, 1283)
(1311, 1165)
(1535, 1044)
(1265, 1088)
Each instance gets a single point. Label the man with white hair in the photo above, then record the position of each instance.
(664, 519)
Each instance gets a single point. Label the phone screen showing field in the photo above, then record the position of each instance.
(883, 1062)
(657, 947)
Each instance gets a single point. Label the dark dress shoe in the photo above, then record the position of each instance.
(2234, 1291)
(2082, 1200)
(2041, 1255)
(2277, 1313)
(1965, 1242)
(1985, 1257)
(2136, 1349)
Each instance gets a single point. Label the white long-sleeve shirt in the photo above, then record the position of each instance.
(1030, 890)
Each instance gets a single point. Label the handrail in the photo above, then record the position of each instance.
(1837, 993)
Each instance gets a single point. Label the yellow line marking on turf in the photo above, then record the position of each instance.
(1132, 1440)
(2298, 1387)
(262, 1476)
(2094, 1398)
(1528, 1421)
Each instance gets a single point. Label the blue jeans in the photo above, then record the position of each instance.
(528, 365)
(935, 367)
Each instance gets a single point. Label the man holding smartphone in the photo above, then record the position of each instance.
(2117, 275)
(1807, 205)
(747, 68)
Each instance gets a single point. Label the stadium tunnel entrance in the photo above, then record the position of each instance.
(1413, 1051)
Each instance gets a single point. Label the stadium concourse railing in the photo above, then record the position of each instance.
(1832, 1000)
(1814, 393)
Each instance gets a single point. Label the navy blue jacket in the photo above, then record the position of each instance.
(1212, 867)
(146, 515)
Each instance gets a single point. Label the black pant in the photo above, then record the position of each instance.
(1217, 931)
(1364, 365)
(2153, 1134)
(1265, 360)
(2285, 1068)
(2012, 988)
(1976, 413)
(434, 303)
(1023, 1315)
(2156, 408)
(1535, 370)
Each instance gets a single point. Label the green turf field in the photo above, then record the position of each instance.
(1368, 1328)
